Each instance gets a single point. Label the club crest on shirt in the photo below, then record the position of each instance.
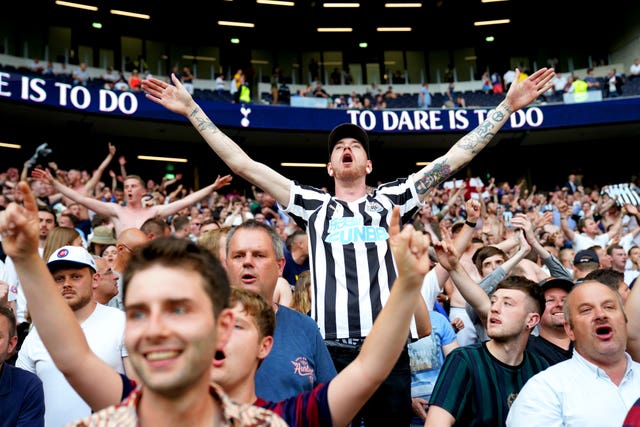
(301, 367)
(373, 206)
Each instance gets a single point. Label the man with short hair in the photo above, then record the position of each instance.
(552, 342)
(477, 383)
(352, 267)
(587, 232)
(476, 386)
(613, 279)
(21, 395)
(181, 226)
(134, 213)
(128, 240)
(584, 263)
(172, 337)
(155, 227)
(296, 255)
(72, 269)
(105, 281)
(600, 383)
(299, 359)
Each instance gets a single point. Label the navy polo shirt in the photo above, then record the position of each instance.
(21, 398)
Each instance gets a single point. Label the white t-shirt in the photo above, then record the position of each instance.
(13, 290)
(14, 287)
(430, 288)
(104, 331)
(220, 84)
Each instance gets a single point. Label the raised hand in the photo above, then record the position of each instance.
(409, 246)
(472, 207)
(544, 219)
(43, 175)
(446, 251)
(222, 181)
(173, 98)
(523, 93)
(19, 226)
(457, 324)
(631, 209)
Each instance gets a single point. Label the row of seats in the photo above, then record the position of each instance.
(473, 98)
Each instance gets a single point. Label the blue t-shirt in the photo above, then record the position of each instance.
(298, 361)
(427, 357)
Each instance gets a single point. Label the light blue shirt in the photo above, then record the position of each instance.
(427, 356)
(575, 393)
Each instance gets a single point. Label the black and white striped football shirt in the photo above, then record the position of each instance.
(352, 267)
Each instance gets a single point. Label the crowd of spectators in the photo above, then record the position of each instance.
(515, 237)
(594, 228)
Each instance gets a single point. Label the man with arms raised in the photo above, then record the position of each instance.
(352, 266)
(134, 213)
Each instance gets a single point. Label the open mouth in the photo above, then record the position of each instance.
(604, 331)
(248, 278)
(218, 359)
(347, 158)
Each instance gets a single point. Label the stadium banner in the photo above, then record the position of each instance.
(96, 100)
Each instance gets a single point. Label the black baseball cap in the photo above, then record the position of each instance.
(585, 256)
(348, 130)
(552, 282)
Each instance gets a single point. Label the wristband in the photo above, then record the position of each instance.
(471, 224)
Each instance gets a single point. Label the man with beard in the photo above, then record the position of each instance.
(21, 396)
(352, 267)
(552, 342)
(478, 383)
(73, 269)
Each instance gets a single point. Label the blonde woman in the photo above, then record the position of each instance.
(59, 237)
(301, 300)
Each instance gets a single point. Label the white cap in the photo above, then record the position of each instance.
(69, 255)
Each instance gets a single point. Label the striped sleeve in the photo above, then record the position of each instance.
(453, 386)
(309, 409)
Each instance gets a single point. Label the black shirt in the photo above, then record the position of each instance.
(548, 350)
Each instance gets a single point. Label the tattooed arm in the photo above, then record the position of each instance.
(177, 99)
(521, 94)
